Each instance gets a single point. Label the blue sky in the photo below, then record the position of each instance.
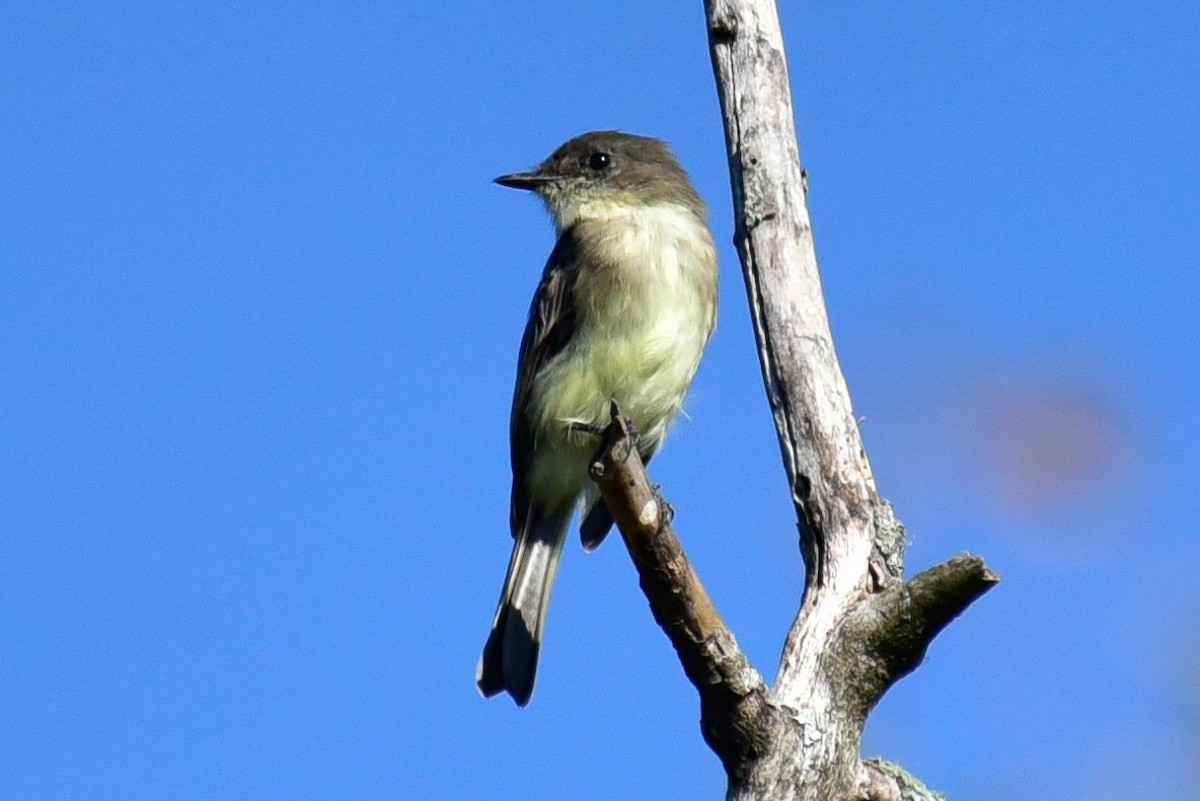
(259, 313)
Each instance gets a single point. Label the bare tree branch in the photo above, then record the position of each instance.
(885, 637)
(829, 477)
(732, 693)
(860, 628)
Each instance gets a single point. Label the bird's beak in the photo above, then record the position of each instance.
(526, 180)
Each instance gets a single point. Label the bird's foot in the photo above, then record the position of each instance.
(577, 427)
(580, 427)
(634, 434)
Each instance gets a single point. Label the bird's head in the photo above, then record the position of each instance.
(599, 172)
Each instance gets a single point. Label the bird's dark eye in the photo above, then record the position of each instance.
(600, 161)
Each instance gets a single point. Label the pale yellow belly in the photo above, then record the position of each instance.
(647, 370)
(645, 308)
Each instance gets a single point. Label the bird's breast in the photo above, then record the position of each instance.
(645, 301)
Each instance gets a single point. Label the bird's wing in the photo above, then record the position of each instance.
(551, 324)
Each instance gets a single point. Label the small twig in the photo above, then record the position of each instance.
(886, 636)
(731, 690)
(885, 781)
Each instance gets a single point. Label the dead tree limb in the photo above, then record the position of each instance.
(732, 693)
(860, 628)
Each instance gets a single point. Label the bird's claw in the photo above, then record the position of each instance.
(586, 428)
(578, 427)
(632, 428)
(665, 508)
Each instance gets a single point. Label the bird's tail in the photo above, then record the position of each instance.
(510, 656)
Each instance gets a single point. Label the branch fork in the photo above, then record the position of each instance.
(860, 626)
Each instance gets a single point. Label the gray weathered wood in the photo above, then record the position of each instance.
(842, 652)
(860, 627)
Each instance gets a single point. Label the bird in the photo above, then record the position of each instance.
(624, 309)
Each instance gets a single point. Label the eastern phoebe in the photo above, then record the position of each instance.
(624, 309)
